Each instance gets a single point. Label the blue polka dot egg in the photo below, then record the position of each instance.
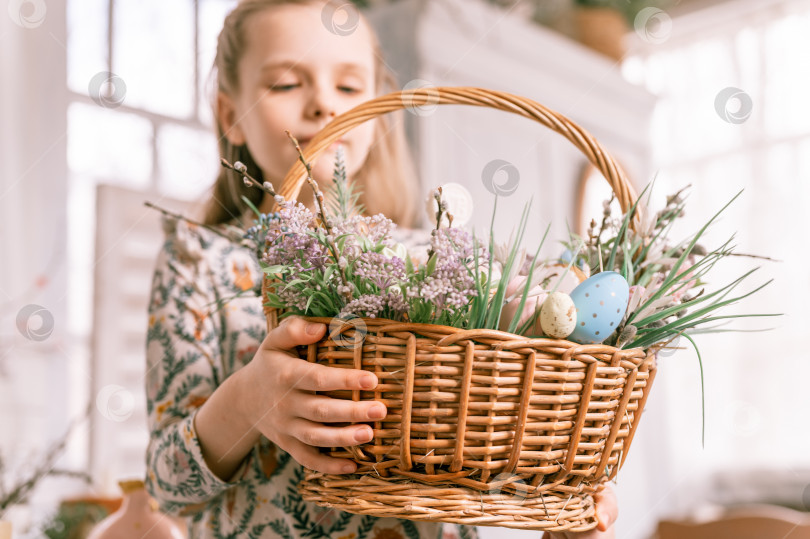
(601, 301)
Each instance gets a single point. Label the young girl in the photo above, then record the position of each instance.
(233, 416)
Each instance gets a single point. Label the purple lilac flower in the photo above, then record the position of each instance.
(373, 305)
(369, 305)
(396, 303)
(295, 216)
(379, 269)
(377, 229)
(292, 297)
(451, 285)
(289, 243)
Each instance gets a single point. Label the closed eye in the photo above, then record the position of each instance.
(284, 87)
(348, 89)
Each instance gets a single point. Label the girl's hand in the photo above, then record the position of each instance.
(279, 399)
(607, 511)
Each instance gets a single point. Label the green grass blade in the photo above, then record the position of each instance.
(702, 393)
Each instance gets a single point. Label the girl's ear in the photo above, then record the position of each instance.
(226, 115)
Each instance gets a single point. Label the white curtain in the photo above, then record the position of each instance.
(734, 113)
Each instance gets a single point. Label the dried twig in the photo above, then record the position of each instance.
(19, 492)
(186, 219)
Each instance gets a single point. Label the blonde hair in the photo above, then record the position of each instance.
(387, 177)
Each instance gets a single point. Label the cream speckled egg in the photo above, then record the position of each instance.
(558, 315)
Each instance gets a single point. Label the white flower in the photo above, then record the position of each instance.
(456, 200)
(397, 250)
(500, 253)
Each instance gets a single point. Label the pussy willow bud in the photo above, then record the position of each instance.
(627, 334)
(699, 250)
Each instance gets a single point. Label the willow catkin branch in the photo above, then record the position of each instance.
(180, 217)
(330, 243)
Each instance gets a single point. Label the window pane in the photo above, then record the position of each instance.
(189, 161)
(81, 235)
(112, 146)
(86, 41)
(212, 14)
(153, 52)
(786, 77)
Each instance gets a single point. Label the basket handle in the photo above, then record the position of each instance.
(463, 95)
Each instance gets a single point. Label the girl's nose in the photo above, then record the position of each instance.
(321, 105)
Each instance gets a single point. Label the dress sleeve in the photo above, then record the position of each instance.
(183, 361)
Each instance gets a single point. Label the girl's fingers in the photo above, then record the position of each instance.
(607, 511)
(313, 459)
(607, 508)
(293, 331)
(307, 376)
(322, 409)
(319, 435)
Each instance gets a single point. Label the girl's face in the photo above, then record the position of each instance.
(297, 75)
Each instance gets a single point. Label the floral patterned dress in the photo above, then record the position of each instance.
(193, 344)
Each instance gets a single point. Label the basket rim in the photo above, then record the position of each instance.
(456, 335)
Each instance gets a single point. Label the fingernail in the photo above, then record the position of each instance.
(349, 468)
(363, 435)
(368, 381)
(376, 412)
(313, 329)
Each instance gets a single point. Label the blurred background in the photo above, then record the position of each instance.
(106, 103)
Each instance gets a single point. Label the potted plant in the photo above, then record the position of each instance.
(602, 24)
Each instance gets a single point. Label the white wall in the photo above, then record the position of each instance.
(36, 373)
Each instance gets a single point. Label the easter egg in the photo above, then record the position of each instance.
(601, 301)
(558, 315)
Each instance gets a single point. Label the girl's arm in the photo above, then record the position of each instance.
(184, 370)
(226, 436)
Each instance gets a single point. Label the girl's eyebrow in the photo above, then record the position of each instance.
(351, 66)
(290, 64)
(287, 64)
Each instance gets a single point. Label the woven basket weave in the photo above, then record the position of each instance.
(484, 427)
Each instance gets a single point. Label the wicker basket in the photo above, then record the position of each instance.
(484, 427)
